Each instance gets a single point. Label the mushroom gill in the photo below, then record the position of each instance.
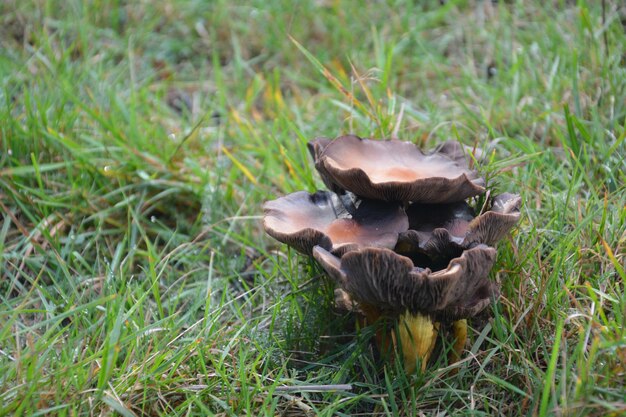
(381, 277)
(394, 170)
(336, 223)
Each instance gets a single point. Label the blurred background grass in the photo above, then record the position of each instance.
(139, 140)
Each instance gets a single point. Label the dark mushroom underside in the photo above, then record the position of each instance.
(439, 232)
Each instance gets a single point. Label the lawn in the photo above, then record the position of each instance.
(139, 140)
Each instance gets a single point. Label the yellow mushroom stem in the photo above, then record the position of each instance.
(418, 334)
(459, 331)
(371, 316)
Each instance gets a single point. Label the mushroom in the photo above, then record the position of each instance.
(394, 170)
(397, 236)
(387, 284)
(336, 223)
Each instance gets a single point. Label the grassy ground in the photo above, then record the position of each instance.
(139, 140)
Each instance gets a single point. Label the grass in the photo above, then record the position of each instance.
(140, 139)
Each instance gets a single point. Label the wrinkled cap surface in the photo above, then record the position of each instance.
(438, 232)
(336, 223)
(391, 282)
(394, 170)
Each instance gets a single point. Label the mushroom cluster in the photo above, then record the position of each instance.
(397, 236)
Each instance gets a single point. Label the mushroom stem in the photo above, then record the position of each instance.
(459, 331)
(417, 334)
(372, 315)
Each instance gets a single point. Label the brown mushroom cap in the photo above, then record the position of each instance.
(494, 224)
(382, 278)
(395, 171)
(304, 220)
(438, 232)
